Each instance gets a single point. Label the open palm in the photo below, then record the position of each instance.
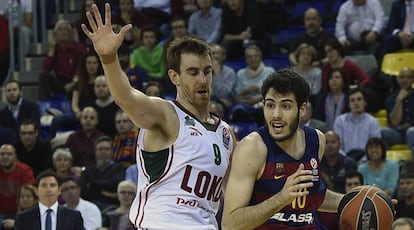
(104, 40)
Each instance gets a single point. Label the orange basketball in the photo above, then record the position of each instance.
(366, 207)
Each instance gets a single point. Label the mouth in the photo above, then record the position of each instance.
(277, 126)
(203, 93)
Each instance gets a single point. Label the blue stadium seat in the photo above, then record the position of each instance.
(286, 36)
(300, 8)
(236, 64)
(241, 129)
(59, 102)
(277, 61)
(336, 5)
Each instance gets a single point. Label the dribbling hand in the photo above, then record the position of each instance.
(104, 40)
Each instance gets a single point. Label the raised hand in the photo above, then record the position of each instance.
(105, 41)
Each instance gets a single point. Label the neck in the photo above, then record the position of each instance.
(409, 200)
(376, 164)
(29, 148)
(10, 169)
(73, 204)
(123, 209)
(62, 174)
(205, 11)
(102, 102)
(332, 159)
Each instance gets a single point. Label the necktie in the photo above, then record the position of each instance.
(408, 19)
(48, 219)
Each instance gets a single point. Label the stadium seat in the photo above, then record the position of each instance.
(392, 63)
(399, 155)
(381, 113)
(300, 8)
(382, 121)
(236, 65)
(399, 147)
(241, 129)
(277, 61)
(286, 36)
(367, 62)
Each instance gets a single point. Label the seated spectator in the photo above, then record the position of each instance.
(81, 142)
(99, 182)
(82, 19)
(307, 119)
(70, 192)
(247, 89)
(31, 149)
(82, 95)
(105, 106)
(129, 15)
(150, 56)
(400, 112)
(334, 102)
(158, 12)
(125, 142)
(305, 56)
(353, 179)
(217, 108)
(405, 205)
(63, 59)
(153, 89)
(62, 164)
(356, 127)
(242, 25)
(378, 170)
(315, 36)
(178, 31)
(334, 164)
(138, 76)
(206, 22)
(119, 218)
(403, 224)
(359, 25)
(224, 77)
(26, 199)
(13, 174)
(354, 75)
(17, 108)
(400, 27)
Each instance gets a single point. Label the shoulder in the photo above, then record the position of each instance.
(68, 212)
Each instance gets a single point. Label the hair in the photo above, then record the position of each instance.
(62, 152)
(253, 47)
(336, 45)
(178, 18)
(126, 183)
(345, 86)
(154, 83)
(61, 22)
(305, 46)
(185, 45)
(403, 221)
(354, 173)
(356, 90)
(151, 28)
(31, 189)
(285, 81)
(104, 139)
(19, 86)
(376, 141)
(46, 173)
(83, 80)
(67, 179)
(407, 169)
(29, 122)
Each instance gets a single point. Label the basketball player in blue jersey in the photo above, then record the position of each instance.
(183, 151)
(275, 176)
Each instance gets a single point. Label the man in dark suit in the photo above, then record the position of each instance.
(48, 214)
(17, 108)
(400, 27)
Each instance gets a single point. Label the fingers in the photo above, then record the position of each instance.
(91, 21)
(86, 31)
(98, 17)
(107, 14)
(125, 29)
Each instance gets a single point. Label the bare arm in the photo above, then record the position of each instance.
(397, 111)
(247, 165)
(331, 201)
(144, 111)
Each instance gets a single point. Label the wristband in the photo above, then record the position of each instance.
(107, 59)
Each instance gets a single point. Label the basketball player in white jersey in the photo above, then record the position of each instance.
(183, 150)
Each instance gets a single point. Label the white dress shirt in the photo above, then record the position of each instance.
(43, 214)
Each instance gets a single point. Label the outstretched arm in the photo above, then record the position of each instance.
(246, 166)
(144, 111)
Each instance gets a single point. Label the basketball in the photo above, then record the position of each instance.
(366, 207)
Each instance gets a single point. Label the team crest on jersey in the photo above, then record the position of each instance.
(189, 121)
(280, 167)
(195, 132)
(315, 173)
(226, 137)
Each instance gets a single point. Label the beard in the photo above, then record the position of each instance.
(292, 129)
(13, 102)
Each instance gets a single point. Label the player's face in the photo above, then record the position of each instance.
(48, 190)
(357, 103)
(351, 183)
(13, 93)
(406, 187)
(281, 114)
(194, 80)
(92, 65)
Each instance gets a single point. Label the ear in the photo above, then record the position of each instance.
(174, 77)
(302, 109)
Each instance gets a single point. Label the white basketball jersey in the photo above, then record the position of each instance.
(186, 193)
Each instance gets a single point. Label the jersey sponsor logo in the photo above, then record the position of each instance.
(315, 173)
(226, 137)
(192, 203)
(293, 217)
(189, 121)
(206, 185)
(278, 177)
(195, 132)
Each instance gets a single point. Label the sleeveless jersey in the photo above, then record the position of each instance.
(185, 192)
(301, 213)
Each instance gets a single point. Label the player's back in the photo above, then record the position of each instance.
(301, 213)
(180, 187)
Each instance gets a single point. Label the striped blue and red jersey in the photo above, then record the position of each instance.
(301, 213)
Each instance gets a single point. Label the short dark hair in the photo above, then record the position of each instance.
(103, 139)
(28, 122)
(185, 45)
(46, 173)
(376, 141)
(407, 169)
(151, 28)
(345, 87)
(285, 81)
(336, 45)
(67, 179)
(154, 83)
(356, 90)
(354, 173)
(19, 86)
